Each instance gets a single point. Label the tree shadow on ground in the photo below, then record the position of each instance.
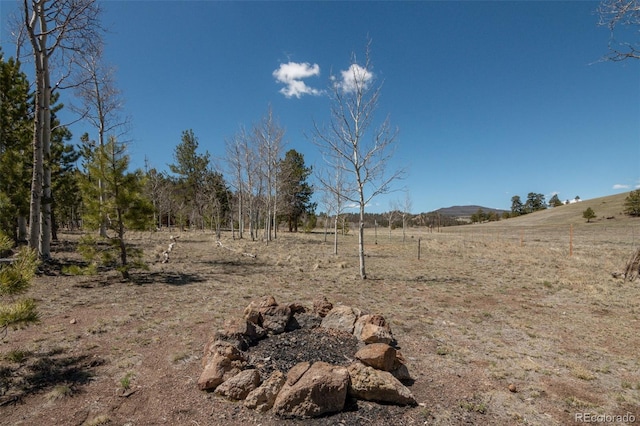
(169, 278)
(44, 371)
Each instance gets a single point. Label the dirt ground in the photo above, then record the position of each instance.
(498, 326)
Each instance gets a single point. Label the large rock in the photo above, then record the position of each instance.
(263, 397)
(378, 355)
(222, 348)
(222, 361)
(253, 310)
(370, 384)
(341, 318)
(320, 389)
(373, 329)
(241, 333)
(239, 386)
(267, 314)
(276, 318)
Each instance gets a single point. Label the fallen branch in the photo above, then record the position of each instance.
(219, 244)
(165, 254)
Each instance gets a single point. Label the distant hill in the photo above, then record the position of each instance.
(609, 209)
(465, 211)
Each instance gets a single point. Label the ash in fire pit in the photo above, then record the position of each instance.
(283, 351)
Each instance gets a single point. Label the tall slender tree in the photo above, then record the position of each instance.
(16, 115)
(101, 104)
(353, 143)
(269, 138)
(294, 189)
(59, 32)
(191, 169)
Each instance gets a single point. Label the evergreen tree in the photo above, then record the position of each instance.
(295, 192)
(517, 208)
(191, 169)
(534, 203)
(124, 203)
(589, 214)
(16, 118)
(632, 203)
(218, 197)
(65, 191)
(15, 279)
(555, 201)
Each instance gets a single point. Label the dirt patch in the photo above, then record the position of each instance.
(477, 313)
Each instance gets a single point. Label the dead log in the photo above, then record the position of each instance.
(219, 244)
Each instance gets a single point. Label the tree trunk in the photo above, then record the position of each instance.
(363, 273)
(45, 221)
(335, 235)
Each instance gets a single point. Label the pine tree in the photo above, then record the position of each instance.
(16, 118)
(632, 203)
(295, 191)
(124, 204)
(15, 279)
(589, 214)
(191, 169)
(555, 201)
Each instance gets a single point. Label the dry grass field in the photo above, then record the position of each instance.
(513, 322)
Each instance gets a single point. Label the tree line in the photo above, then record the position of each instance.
(49, 182)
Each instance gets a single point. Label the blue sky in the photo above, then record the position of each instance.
(491, 99)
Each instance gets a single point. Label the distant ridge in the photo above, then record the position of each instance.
(465, 211)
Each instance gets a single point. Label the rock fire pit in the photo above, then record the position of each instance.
(305, 362)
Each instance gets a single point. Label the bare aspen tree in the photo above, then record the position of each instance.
(334, 188)
(406, 211)
(353, 144)
(101, 106)
(621, 17)
(59, 32)
(391, 214)
(253, 183)
(270, 141)
(234, 150)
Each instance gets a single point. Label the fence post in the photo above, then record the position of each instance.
(419, 239)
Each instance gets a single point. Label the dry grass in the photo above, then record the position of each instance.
(486, 306)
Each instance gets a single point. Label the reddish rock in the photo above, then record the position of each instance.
(370, 384)
(378, 355)
(263, 397)
(322, 389)
(239, 386)
(373, 329)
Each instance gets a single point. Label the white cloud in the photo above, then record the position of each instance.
(620, 186)
(291, 75)
(353, 76)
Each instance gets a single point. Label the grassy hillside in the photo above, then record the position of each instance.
(611, 207)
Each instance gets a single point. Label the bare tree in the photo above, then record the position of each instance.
(101, 105)
(59, 32)
(333, 186)
(406, 211)
(352, 144)
(391, 214)
(269, 138)
(234, 150)
(621, 17)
